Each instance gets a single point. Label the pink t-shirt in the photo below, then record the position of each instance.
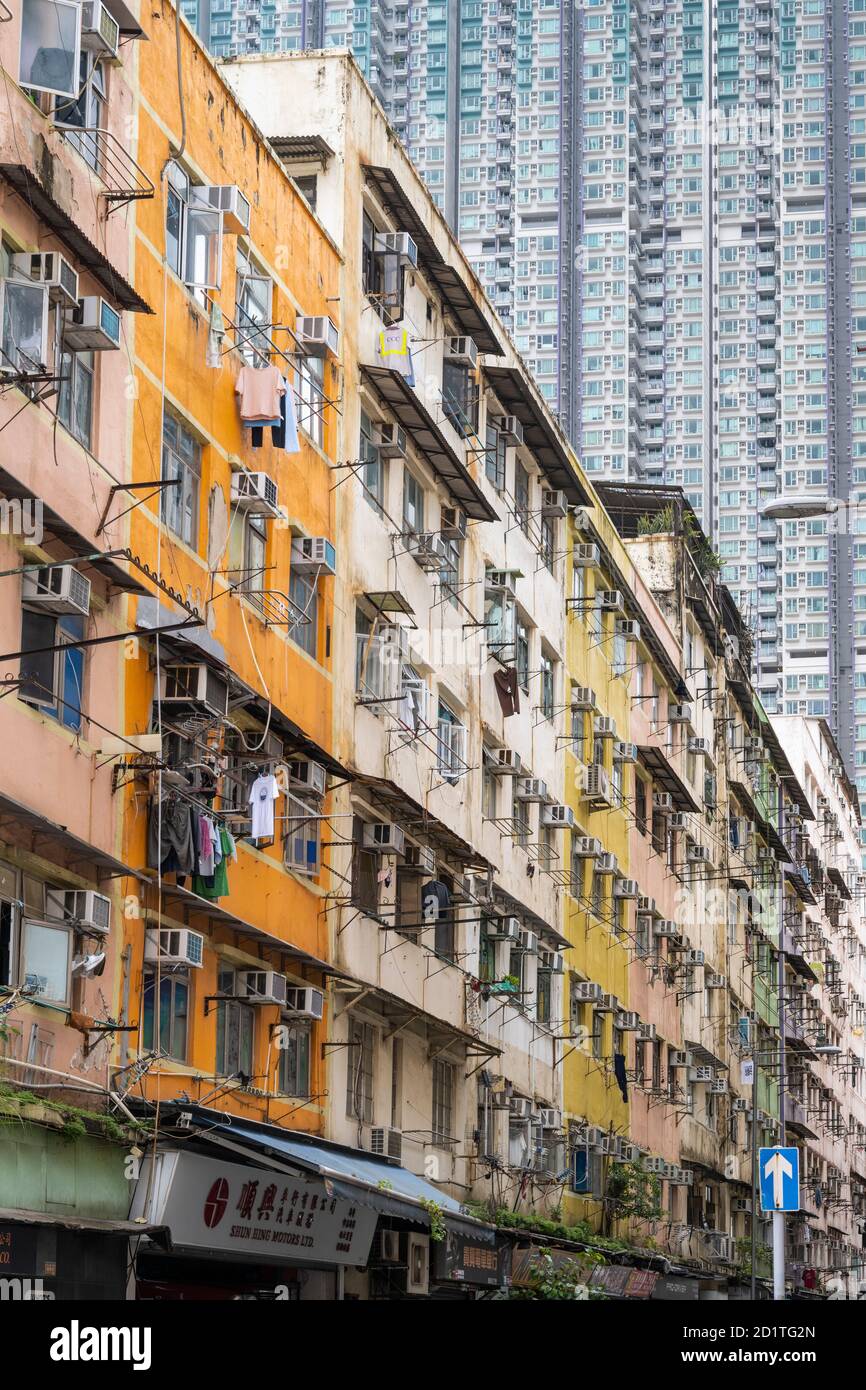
(260, 389)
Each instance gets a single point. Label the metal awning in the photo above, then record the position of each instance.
(103, 1225)
(302, 149)
(89, 257)
(353, 1174)
(835, 874)
(453, 283)
(399, 1011)
(656, 761)
(541, 435)
(55, 526)
(172, 893)
(415, 818)
(394, 391)
(22, 825)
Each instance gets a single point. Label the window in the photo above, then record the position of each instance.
(254, 582)
(413, 503)
(293, 1072)
(523, 655)
(443, 1099)
(543, 996)
(310, 397)
(459, 398)
(372, 474)
(45, 960)
(181, 465)
(50, 34)
(548, 685)
(253, 294)
(486, 952)
(24, 334)
(451, 744)
(365, 870)
(489, 785)
(84, 115)
(53, 679)
(521, 495)
(494, 457)
(8, 926)
(193, 233)
(235, 1030)
(75, 398)
(444, 932)
(372, 275)
(449, 573)
(359, 1072)
(301, 839)
(304, 593)
(169, 1031)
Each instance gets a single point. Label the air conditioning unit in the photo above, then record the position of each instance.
(694, 958)
(698, 854)
(701, 746)
(228, 199)
(56, 588)
(557, 817)
(715, 981)
(679, 714)
(583, 697)
(51, 269)
(520, 1107)
(304, 1001)
(741, 1106)
(384, 837)
(504, 928)
(610, 600)
(174, 946)
(665, 929)
(627, 627)
(603, 726)
(417, 1263)
(582, 518)
(702, 1075)
(462, 350)
(628, 1021)
(531, 789)
(743, 1204)
(389, 1143)
(317, 335)
(427, 548)
(312, 554)
(92, 326)
(587, 992)
(585, 556)
(586, 847)
(303, 772)
(262, 986)
(654, 1164)
(81, 907)
(628, 1152)
(626, 888)
(608, 1004)
(254, 492)
(420, 859)
(646, 1032)
(193, 687)
(679, 820)
(647, 906)
(549, 1117)
(391, 440)
(398, 244)
(597, 789)
(453, 524)
(753, 747)
(553, 503)
(624, 752)
(501, 581)
(551, 961)
(719, 1087)
(388, 1242)
(511, 429)
(606, 864)
(679, 1058)
(663, 802)
(100, 31)
(529, 943)
(507, 762)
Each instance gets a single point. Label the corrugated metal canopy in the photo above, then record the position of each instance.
(302, 148)
(394, 391)
(447, 279)
(657, 761)
(541, 435)
(19, 823)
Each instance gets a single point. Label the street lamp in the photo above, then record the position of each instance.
(798, 506)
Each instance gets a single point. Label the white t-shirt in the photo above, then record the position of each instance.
(263, 794)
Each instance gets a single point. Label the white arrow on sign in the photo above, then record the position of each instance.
(778, 1168)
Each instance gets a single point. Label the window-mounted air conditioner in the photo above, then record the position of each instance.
(420, 859)
(174, 946)
(501, 581)
(417, 1264)
(557, 817)
(742, 1204)
(604, 727)
(511, 429)
(507, 762)
(654, 1164)
(628, 1021)
(304, 1002)
(715, 981)
(698, 854)
(389, 1143)
(587, 992)
(453, 524)
(427, 549)
(663, 802)
(304, 772)
(679, 820)
(91, 326)
(719, 1087)
(387, 1249)
(504, 928)
(51, 269)
(628, 628)
(624, 752)
(694, 958)
(586, 847)
(606, 864)
(549, 1117)
(528, 942)
(531, 789)
(582, 518)
(702, 1075)
(701, 746)
(679, 714)
(463, 350)
(553, 503)
(313, 554)
(608, 1004)
(647, 906)
(384, 837)
(23, 327)
(586, 556)
(262, 986)
(626, 888)
(317, 335)
(391, 440)
(665, 929)
(81, 907)
(583, 697)
(679, 1058)
(397, 244)
(610, 600)
(646, 1032)
(551, 961)
(100, 31)
(254, 492)
(520, 1107)
(741, 1106)
(57, 588)
(193, 687)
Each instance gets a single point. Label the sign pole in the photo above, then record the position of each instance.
(778, 1216)
(778, 1255)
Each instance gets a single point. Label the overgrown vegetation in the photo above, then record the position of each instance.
(71, 1123)
(566, 1281)
(664, 521)
(580, 1234)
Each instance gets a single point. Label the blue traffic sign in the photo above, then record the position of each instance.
(779, 1172)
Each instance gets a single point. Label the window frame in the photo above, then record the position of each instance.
(228, 1010)
(184, 513)
(152, 1027)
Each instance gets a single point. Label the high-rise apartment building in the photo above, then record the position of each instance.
(665, 203)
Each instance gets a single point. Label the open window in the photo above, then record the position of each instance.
(301, 844)
(23, 327)
(253, 296)
(50, 46)
(53, 676)
(193, 232)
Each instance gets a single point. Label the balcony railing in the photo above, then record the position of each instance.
(125, 180)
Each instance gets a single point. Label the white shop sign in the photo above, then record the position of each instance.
(252, 1212)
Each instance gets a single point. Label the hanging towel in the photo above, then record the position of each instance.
(393, 351)
(619, 1073)
(507, 691)
(260, 390)
(284, 431)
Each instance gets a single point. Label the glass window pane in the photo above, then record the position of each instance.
(45, 964)
(50, 43)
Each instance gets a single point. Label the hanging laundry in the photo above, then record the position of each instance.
(171, 841)
(217, 885)
(263, 794)
(507, 691)
(620, 1074)
(284, 431)
(208, 841)
(435, 900)
(216, 333)
(393, 351)
(260, 390)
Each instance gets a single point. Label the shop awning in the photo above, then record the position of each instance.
(82, 1223)
(352, 1174)
(22, 825)
(408, 409)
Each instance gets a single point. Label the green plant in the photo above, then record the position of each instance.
(664, 521)
(564, 1281)
(633, 1191)
(437, 1218)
